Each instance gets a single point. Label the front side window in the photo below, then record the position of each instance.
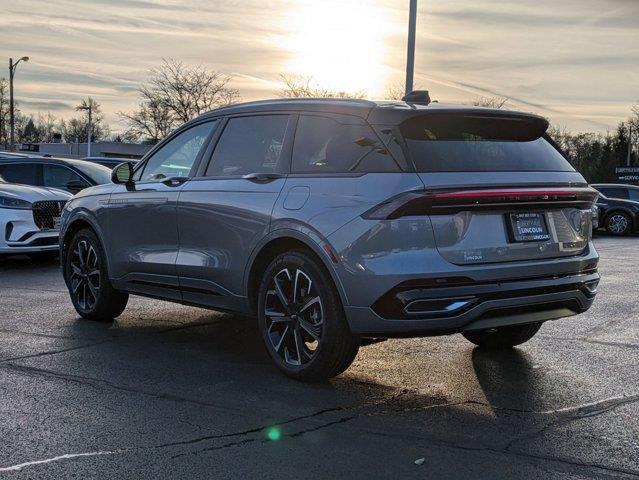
(56, 176)
(176, 158)
(323, 145)
(250, 145)
(24, 173)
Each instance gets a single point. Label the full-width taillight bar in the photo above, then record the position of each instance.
(434, 202)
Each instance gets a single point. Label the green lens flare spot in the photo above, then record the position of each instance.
(273, 434)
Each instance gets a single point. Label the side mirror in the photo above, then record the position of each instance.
(123, 173)
(74, 186)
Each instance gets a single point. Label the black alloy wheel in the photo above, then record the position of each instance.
(84, 281)
(302, 319)
(294, 316)
(85, 273)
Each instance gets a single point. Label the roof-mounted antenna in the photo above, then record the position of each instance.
(420, 97)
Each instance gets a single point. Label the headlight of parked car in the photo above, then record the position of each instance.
(9, 202)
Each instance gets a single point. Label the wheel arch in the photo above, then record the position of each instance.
(77, 223)
(281, 241)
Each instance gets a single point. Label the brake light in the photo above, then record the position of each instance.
(433, 202)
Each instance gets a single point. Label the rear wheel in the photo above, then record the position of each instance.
(86, 277)
(503, 337)
(302, 320)
(618, 223)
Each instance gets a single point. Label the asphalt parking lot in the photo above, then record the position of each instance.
(169, 391)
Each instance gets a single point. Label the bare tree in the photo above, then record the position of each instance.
(175, 93)
(300, 86)
(75, 129)
(152, 121)
(47, 125)
(490, 102)
(4, 111)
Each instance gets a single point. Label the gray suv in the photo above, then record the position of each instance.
(339, 223)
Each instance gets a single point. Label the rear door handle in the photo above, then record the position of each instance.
(262, 177)
(174, 181)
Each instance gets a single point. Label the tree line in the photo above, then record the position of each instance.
(175, 93)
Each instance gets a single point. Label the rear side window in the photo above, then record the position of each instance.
(323, 145)
(250, 145)
(613, 192)
(25, 173)
(465, 143)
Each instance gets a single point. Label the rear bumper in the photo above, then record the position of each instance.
(476, 306)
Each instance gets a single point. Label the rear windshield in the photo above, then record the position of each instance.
(459, 143)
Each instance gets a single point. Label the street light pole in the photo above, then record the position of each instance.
(410, 54)
(12, 71)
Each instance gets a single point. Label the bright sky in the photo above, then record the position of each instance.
(574, 61)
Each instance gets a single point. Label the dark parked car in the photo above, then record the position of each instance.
(62, 173)
(342, 222)
(618, 208)
(109, 162)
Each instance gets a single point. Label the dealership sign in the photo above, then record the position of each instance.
(627, 174)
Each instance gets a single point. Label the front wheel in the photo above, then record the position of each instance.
(302, 321)
(503, 337)
(86, 277)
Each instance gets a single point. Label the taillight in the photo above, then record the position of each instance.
(434, 202)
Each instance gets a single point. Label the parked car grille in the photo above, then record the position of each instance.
(45, 213)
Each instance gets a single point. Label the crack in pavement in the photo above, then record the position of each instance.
(96, 383)
(54, 352)
(582, 411)
(70, 456)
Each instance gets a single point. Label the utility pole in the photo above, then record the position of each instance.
(12, 71)
(410, 54)
(89, 107)
(629, 144)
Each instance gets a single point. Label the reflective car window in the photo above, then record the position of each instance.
(250, 145)
(615, 192)
(57, 176)
(176, 157)
(25, 173)
(323, 145)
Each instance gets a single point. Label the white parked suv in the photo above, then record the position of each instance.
(29, 219)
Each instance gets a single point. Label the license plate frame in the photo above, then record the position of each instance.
(528, 227)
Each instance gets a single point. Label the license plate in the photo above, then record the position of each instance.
(528, 227)
(56, 223)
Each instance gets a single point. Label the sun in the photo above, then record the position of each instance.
(340, 44)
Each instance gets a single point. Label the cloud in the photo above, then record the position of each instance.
(572, 60)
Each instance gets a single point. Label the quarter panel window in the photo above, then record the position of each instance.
(250, 145)
(323, 145)
(176, 158)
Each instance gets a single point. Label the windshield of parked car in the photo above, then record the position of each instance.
(98, 173)
(474, 143)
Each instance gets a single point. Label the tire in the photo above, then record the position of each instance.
(87, 279)
(43, 256)
(504, 337)
(618, 223)
(302, 320)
